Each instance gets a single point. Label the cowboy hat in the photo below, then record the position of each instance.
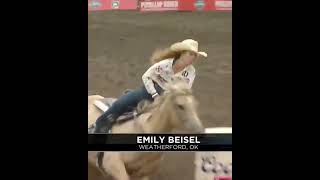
(187, 45)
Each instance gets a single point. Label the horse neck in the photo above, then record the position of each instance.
(159, 122)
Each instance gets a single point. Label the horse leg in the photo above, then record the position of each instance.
(113, 165)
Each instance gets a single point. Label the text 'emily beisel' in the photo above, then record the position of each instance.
(167, 140)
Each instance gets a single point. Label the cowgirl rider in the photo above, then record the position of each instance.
(175, 61)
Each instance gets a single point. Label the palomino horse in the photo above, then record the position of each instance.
(174, 110)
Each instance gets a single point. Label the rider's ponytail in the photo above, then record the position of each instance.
(162, 54)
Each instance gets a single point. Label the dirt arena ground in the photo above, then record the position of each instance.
(120, 44)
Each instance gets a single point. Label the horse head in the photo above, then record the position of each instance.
(180, 103)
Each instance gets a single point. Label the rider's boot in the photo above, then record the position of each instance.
(104, 126)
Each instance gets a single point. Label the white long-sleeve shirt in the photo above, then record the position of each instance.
(162, 73)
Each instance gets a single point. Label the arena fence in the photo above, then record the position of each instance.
(161, 5)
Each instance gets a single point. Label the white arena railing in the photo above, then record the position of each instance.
(219, 130)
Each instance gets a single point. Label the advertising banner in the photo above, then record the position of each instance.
(223, 5)
(185, 5)
(161, 5)
(196, 5)
(155, 5)
(98, 5)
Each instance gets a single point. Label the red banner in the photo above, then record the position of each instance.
(161, 5)
(196, 5)
(97, 5)
(223, 5)
(185, 5)
(156, 5)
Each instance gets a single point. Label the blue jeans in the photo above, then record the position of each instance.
(126, 102)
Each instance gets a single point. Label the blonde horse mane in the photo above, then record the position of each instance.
(177, 87)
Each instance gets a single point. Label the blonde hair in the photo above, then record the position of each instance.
(162, 54)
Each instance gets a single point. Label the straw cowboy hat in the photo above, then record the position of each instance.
(187, 45)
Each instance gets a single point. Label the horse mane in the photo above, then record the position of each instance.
(173, 89)
(147, 106)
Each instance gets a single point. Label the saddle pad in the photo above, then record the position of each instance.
(105, 103)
